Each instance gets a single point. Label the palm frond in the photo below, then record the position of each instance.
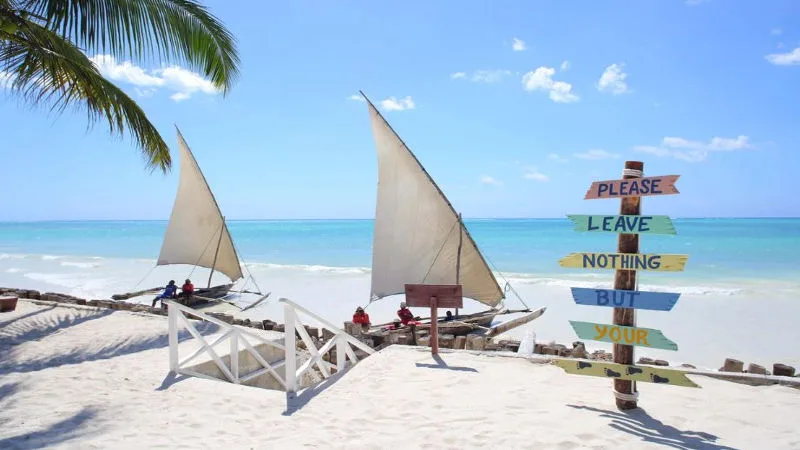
(181, 30)
(45, 68)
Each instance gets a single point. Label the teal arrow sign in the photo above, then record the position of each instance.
(623, 224)
(618, 334)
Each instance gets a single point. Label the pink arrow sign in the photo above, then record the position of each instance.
(633, 187)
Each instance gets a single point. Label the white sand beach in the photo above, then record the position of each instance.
(80, 377)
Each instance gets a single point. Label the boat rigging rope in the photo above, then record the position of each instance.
(203, 252)
(250, 274)
(508, 285)
(440, 251)
(144, 278)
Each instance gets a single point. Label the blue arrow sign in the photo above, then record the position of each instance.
(656, 301)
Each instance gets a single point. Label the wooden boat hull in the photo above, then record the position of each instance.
(511, 324)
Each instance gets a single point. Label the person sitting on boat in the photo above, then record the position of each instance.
(169, 292)
(448, 316)
(187, 289)
(406, 316)
(361, 317)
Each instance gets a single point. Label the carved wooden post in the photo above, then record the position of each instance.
(626, 280)
(434, 327)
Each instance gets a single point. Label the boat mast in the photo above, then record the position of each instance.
(458, 255)
(216, 252)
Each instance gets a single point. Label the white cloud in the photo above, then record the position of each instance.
(564, 65)
(534, 174)
(518, 45)
(181, 82)
(557, 158)
(489, 76)
(785, 59)
(776, 31)
(694, 151)
(483, 76)
(542, 80)
(393, 104)
(356, 98)
(596, 153)
(486, 179)
(613, 80)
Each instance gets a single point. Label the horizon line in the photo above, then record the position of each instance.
(372, 219)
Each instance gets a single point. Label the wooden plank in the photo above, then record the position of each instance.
(654, 301)
(447, 295)
(633, 187)
(624, 261)
(618, 334)
(511, 324)
(625, 372)
(623, 224)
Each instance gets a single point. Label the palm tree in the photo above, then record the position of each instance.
(44, 46)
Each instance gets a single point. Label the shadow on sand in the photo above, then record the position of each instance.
(57, 433)
(295, 402)
(170, 379)
(37, 328)
(638, 423)
(440, 364)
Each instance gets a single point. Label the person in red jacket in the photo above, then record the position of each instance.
(405, 314)
(187, 289)
(361, 317)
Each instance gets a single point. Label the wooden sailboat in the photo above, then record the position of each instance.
(197, 234)
(420, 238)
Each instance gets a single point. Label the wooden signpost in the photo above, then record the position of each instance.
(434, 296)
(655, 301)
(624, 298)
(617, 334)
(625, 372)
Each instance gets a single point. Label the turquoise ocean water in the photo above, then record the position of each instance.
(718, 249)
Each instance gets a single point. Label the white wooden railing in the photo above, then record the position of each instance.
(237, 336)
(343, 342)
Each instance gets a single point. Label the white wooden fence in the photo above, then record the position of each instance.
(238, 336)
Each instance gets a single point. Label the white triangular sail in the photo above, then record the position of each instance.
(197, 233)
(416, 236)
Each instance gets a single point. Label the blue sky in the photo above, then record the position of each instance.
(517, 108)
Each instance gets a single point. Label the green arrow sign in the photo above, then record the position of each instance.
(618, 334)
(623, 224)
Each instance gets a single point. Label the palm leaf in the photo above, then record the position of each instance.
(181, 30)
(45, 68)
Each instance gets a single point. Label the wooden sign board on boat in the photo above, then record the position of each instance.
(625, 372)
(633, 187)
(447, 295)
(623, 224)
(619, 334)
(624, 261)
(620, 298)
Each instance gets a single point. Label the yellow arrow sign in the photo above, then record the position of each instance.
(624, 261)
(625, 372)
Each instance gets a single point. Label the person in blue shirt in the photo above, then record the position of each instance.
(169, 292)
